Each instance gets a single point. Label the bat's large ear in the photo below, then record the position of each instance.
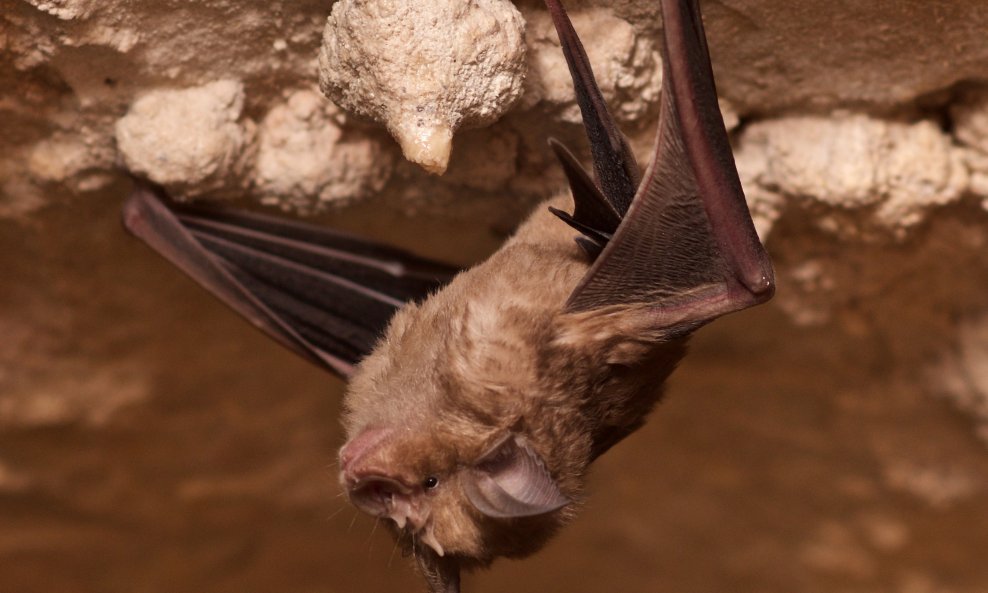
(511, 481)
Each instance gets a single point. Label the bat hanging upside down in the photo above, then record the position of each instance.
(478, 400)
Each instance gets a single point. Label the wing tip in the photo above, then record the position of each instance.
(763, 285)
(133, 213)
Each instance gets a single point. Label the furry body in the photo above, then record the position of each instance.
(494, 353)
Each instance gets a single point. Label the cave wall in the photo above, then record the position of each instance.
(834, 440)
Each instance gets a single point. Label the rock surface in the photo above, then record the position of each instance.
(189, 141)
(834, 440)
(308, 157)
(380, 58)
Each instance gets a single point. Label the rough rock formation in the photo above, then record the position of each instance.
(379, 58)
(835, 440)
(308, 156)
(189, 141)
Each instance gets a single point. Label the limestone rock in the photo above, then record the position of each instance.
(424, 68)
(626, 64)
(188, 140)
(306, 159)
(970, 119)
(852, 161)
(149, 436)
(962, 375)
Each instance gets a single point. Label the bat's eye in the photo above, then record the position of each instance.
(430, 482)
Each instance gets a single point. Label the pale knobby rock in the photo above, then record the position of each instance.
(764, 204)
(846, 161)
(19, 196)
(424, 68)
(80, 161)
(835, 549)
(191, 140)
(727, 111)
(627, 65)
(940, 485)
(110, 33)
(26, 44)
(884, 532)
(970, 118)
(306, 158)
(812, 286)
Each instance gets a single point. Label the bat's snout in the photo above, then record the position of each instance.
(355, 452)
(372, 482)
(382, 496)
(378, 495)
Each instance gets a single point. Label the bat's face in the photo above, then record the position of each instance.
(449, 498)
(413, 478)
(435, 450)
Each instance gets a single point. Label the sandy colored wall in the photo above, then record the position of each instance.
(835, 440)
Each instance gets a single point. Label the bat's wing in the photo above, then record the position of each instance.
(325, 295)
(686, 243)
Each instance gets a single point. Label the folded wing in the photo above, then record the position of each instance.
(325, 295)
(686, 243)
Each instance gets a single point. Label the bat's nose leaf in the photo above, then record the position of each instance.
(378, 495)
(512, 481)
(362, 445)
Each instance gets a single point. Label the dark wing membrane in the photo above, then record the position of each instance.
(325, 295)
(593, 214)
(687, 243)
(613, 162)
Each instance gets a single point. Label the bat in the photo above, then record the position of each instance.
(477, 400)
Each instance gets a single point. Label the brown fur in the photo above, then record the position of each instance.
(495, 353)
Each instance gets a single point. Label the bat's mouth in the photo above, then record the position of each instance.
(380, 496)
(377, 495)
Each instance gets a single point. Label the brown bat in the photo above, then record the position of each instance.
(478, 402)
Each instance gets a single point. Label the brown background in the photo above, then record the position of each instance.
(151, 441)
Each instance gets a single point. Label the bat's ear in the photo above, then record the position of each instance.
(511, 481)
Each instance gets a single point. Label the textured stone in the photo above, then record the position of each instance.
(188, 140)
(896, 170)
(307, 159)
(626, 65)
(424, 68)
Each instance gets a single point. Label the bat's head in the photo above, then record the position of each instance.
(443, 439)
(453, 499)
